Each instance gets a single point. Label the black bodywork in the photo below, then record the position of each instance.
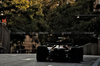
(75, 54)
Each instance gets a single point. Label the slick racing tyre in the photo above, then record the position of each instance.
(76, 54)
(42, 53)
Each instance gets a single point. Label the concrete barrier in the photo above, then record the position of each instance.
(87, 49)
(98, 46)
(90, 49)
(94, 49)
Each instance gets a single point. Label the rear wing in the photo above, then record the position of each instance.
(58, 43)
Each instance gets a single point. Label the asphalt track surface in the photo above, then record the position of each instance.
(30, 60)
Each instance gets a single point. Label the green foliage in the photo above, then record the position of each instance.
(63, 17)
(46, 15)
(24, 15)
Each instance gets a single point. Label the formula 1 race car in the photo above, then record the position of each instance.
(59, 52)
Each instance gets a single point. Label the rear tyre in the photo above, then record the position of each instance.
(76, 54)
(42, 53)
